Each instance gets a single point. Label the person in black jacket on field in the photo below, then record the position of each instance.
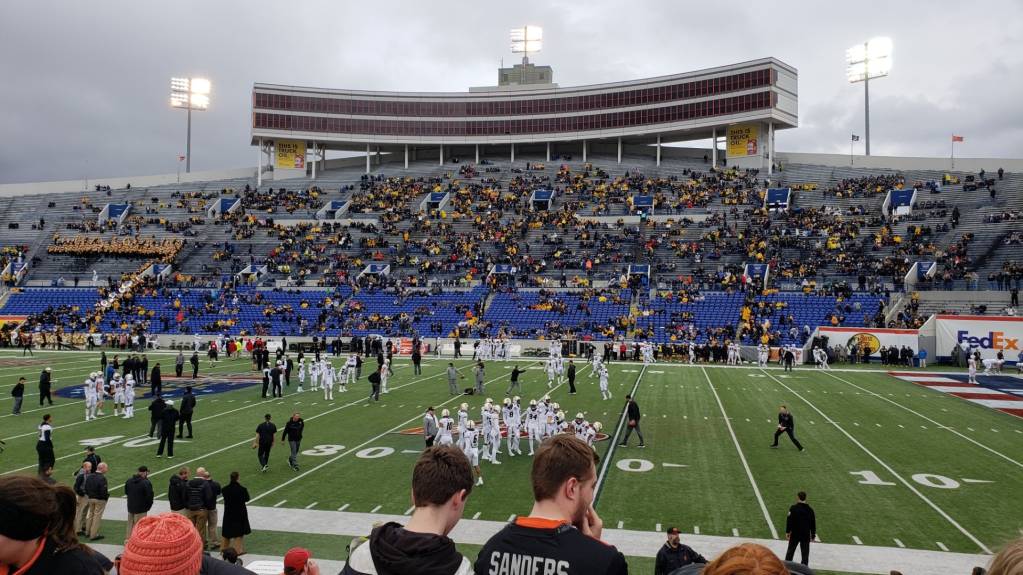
(167, 421)
(800, 529)
(44, 387)
(633, 425)
(571, 377)
(293, 435)
(176, 491)
(786, 424)
(155, 381)
(187, 408)
(18, 393)
(139, 492)
(194, 360)
(673, 555)
(156, 412)
(197, 494)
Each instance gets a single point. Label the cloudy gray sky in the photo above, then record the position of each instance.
(85, 84)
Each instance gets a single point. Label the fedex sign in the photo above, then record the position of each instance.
(994, 340)
(987, 335)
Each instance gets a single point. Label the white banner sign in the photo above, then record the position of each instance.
(988, 335)
(871, 338)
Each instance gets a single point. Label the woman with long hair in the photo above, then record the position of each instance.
(37, 533)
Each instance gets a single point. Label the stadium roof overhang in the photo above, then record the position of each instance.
(778, 98)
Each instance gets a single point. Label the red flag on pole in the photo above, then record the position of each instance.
(957, 138)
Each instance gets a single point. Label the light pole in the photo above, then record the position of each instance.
(872, 59)
(525, 40)
(190, 94)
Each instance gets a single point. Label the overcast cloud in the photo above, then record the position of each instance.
(85, 84)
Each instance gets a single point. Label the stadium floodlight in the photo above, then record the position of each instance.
(190, 94)
(526, 40)
(864, 62)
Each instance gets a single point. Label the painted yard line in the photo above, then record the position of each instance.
(476, 515)
(243, 442)
(367, 442)
(375, 509)
(614, 443)
(311, 505)
(621, 524)
(922, 416)
(657, 528)
(696, 529)
(888, 468)
(343, 507)
(409, 510)
(856, 540)
(281, 502)
(160, 495)
(742, 457)
(511, 518)
(735, 531)
(899, 543)
(941, 546)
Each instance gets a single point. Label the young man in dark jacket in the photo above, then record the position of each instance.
(187, 408)
(155, 413)
(800, 529)
(18, 393)
(167, 420)
(293, 435)
(441, 483)
(176, 491)
(139, 492)
(674, 555)
(563, 529)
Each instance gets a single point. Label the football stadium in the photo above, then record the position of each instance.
(782, 362)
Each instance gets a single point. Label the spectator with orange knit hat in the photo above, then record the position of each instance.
(168, 544)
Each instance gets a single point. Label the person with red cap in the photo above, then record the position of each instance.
(299, 561)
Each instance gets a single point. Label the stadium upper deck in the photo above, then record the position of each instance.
(745, 101)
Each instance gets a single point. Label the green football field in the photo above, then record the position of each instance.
(887, 463)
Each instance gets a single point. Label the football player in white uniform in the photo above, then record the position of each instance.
(472, 451)
(463, 418)
(494, 438)
(90, 397)
(595, 364)
(552, 372)
(343, 373)
(351, 363)
(533, 425)
(117, 387)
(604, 393)
(129, 397)
(385, 374)
(301, 373)
(511, 425)
(763, 353)
(328, 381)
(314, 375)
(580, 426)
(445, 427)
(592, 431)
(972, 363)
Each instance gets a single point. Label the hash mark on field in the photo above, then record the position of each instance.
(476, 515)
(311, 505)
(735, 531)
(401, 406)
(621, 524)
(281, 502)
(971, 429)
(856, 540)
(878, 424)
(511, 517)
(160, 495)
(343, 507)
(409, 510)
(941, 546)
(923, 427)
(657, 528)
(995, 430)
(902, 426)
(696, 529)
(900, 543)
(375, 509)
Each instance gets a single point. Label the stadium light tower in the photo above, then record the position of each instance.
(525, 40)
(190, 94)
(872, 59)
